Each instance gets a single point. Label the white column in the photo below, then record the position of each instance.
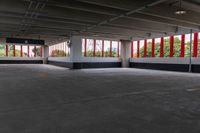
(45, 53)
(125, 52)
(76, 49)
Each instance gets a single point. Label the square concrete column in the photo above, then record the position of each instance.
(76, 49)
(125, 52)
(45, 53)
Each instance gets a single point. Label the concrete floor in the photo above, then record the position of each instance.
(49, 99)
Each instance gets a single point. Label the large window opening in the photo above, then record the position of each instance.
(16, 50)
(187, 45)
(2, 50)
(177, 46)
(157, 47)
(149, 48)
(57, 50)
(100, 48)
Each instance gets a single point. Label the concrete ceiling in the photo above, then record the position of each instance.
(55, 20)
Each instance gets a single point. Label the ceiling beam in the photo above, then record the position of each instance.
(168, 12)
(122, 15)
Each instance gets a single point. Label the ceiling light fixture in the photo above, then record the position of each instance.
(180, 11)
(95, 35)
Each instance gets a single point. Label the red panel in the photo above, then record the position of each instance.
(153, 48)
(102, 48)
(131, 49)
(145, 48)
(35, 51)
(162, 47)
(85, 48)
(28, 51)
(42, 53)
(138, 49)
(94, 54)
(6, 50)
(182, 45)
(14, 50)
(171, 53)
(195, 45)
(110, 48)
(118, 49)
(21, 51)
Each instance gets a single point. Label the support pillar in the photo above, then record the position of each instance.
(162, 47)
(182, 45)
(125, 52)
(76, 49)
(195, 44)
(171, 52)
(45, 54)
(76, 52)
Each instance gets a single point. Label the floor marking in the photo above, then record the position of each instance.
(194, 89)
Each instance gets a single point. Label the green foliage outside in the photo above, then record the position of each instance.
(177, 49)
(99, 54)
(10, 51)
(17, 52)
(37, 51)
(58, 53)
(2, 51)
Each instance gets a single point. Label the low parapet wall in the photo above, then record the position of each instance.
(171, 64)
(85, 62)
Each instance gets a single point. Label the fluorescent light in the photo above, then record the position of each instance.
(180, 12)
(95, 35)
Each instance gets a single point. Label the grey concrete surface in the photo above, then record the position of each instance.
(49, 99)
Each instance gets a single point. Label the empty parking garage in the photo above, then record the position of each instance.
(109, 66)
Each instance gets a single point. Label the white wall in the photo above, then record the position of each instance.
(59, 59)
(21, 58)
(100, 59)
(76, 48)
(166, 60)
(85, 59)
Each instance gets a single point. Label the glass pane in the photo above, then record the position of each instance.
(134, 49)
(157, 47)
(83, 46)
(10, 51)
(62, 50)
(67, 49)
(51, 52)
(187, 45)
(57, 50)
(38, 51)
(177, 46)
(98, 48)
(114, 48)
(2, 50)
(25, 51)
(149, 47)
(31, 51)
(141, 48)
(166, 46)
(90, 48)
(107, 48)
(17, 50)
